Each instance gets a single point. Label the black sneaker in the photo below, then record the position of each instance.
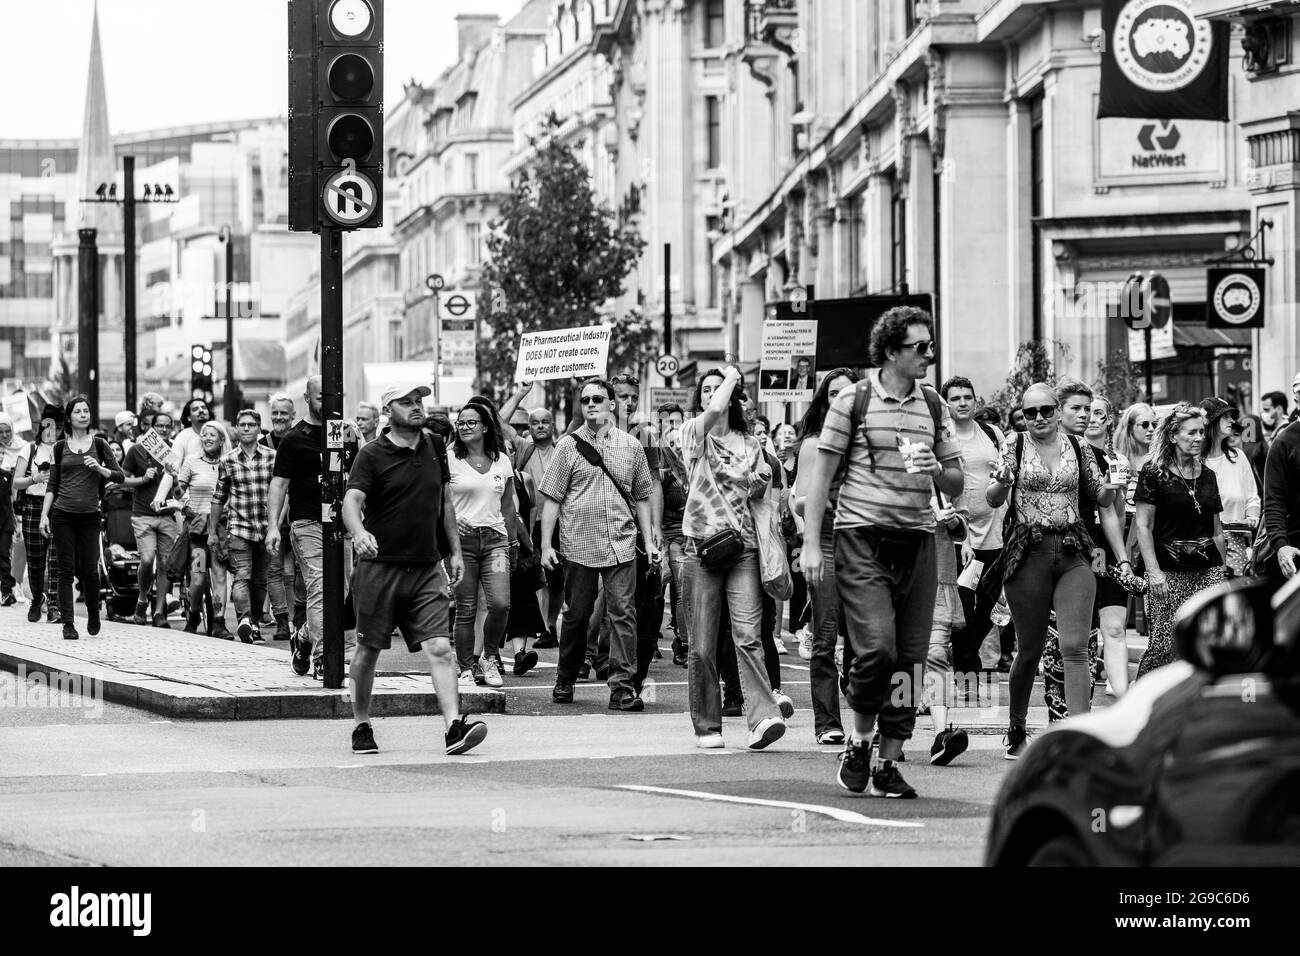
(548, 640)
(733, 708)
(53, 616)
(679, 652)
(160, 620)
(34, 612)
(886, 781)
(257, 636)
(141, 615)
(245, 630)
(477, 670)
(584, 671)
(1016, 740)
(8, 599)
(463, 736)
(363, 740)
(627, 702)
(300, 652)
(70, 632)
(524, 662)
(563, 693)
(318, 669)
(948, 745)
(855, 768)
(92, 623)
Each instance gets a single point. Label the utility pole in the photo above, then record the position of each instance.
(128, 280)
(231, 393)
(331, 367)
(88, 319)
(668, 306)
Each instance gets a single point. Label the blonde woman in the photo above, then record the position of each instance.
(1178, 528)
(1238, 489)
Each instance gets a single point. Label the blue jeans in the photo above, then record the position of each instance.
(308, 538)
(248, 564)
(486, 553)
(823, 676)
(740, 586)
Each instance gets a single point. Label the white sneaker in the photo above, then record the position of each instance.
(780, 646)
(804, 637)
(709, 742)
(491, 673)
(785, 704)
(466, 681)
(769, 730)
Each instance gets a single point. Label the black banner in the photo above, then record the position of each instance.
(1234, 298)
(1158, 61)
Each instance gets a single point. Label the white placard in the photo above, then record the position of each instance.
(158, 449)
(563, 353)
(970, 575)
(788, 372)
(19, 411)
(1162, 344)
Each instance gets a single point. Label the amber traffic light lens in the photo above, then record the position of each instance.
(351, 77)
(350, 137)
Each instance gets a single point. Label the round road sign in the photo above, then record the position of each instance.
(456, 305)
(349, 197)
(667, 365)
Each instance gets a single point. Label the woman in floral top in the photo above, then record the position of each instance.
(1046, 551)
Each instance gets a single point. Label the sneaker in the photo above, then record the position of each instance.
(92, 623)
(780, 646)
(52, 616)
(733, 708)
(466, 680)
(141, 615)
(34, 612)
(160, 620)
(464, 736)
(318, 669)
(679, 652)
(886, 781)
(855, 768)
(476, 671)
(300, 653)
(831, 738)
(563, 693)
(1016, 740)
(70, 632)
(948, 745)
(584, 671)
(768, 731)
(627, 702)
(804, 637)
(491, 673)
(784, 703)
(221, 632)
(709, 742)
(548, 640)
(7, 599)
(524, 662)
(363, 740)
(282, 632)
(245, 630)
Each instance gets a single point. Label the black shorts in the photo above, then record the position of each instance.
(410, 597)
(1110, 593)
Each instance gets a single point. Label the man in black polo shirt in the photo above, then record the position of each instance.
(399, 579)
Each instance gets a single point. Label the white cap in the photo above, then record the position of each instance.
(123, 418)
(402, 389)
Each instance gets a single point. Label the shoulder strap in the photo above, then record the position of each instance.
(593, 457)
(58, 452)
(936, 408)
(1083, 467)
(987, 429)
(440, 449)
(860, 402)
(524, 455)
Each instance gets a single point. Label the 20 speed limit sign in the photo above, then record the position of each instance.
(667, 365)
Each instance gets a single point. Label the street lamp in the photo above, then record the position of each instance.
(228, 399)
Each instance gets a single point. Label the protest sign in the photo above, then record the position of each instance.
(158, 449)
(563, 353)
(662, 396)
(788, 370)
(16, 407)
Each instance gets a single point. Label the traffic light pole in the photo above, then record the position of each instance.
(128, 279)
(88, 319)
(331, 339)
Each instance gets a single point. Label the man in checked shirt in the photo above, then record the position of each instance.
(243, 486)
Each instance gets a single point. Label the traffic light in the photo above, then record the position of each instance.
(336, 131)
(201, 373)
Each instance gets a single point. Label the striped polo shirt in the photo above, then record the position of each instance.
(887, 497)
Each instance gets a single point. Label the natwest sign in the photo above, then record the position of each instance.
(1139, 151)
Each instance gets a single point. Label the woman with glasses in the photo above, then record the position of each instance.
(1046, 551)
(480, 488)
(31, 475)
(1178, 527)
(1133, 434)
(1238, 489)
(823, 675)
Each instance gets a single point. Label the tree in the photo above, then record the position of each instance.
(1034, 363)
(557, 258)
(1119, 380)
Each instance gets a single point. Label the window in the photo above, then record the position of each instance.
(715, 22)
(471, 172)
(713, 123)
(474, 242)
(898, 240)
(396, 341)
(915, 12)
(1037, 270)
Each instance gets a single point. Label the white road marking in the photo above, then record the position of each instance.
(794, 667)
(94, 775)
(835, 813)
(604, 687)
(347, 766)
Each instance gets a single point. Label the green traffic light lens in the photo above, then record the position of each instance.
(351, 77)
(350, 137)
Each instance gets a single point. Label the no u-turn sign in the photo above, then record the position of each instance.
(349, 197)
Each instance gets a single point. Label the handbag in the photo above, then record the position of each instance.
(721, 549)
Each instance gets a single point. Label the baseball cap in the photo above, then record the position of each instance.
(123, 418)
(402, 389)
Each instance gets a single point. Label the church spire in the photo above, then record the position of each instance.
(96, 162)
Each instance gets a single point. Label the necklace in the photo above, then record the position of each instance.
(1191, 488)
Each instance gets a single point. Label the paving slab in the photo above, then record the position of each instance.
(177, 674)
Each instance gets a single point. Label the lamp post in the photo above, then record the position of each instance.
(228, 398)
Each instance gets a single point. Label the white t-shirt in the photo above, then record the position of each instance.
(475, 495)
(1238, 489)
(979, 456)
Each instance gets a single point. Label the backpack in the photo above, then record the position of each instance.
(932, 399)
(440, 451)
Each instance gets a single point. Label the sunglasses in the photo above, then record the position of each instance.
(592, 400)
(1144, 424)
(1034, 412)
(467, 423)
(924, 348)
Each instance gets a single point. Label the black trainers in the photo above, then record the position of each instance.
(257, 636)
(141, 615)
(92, 623)
(548, 640)
(363, 740)
(563, 693)
(477, 670)
(733, 708)
(318, 669)
(886, 781)
(245, 630)
(52, 616)
(855, 768)
(34, 612)
(463, 736)
(70, 632)
(300, 651)
(584, 671)
(524, 662)
(679, 652)
(1016, 740)
(627, 702)
(948, 745)
(8, 599)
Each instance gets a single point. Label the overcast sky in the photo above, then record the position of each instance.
(176, 62)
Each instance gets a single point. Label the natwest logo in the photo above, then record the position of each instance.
(1157, 140)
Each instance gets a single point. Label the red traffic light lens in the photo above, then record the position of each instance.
(350, 137)
(351, 77)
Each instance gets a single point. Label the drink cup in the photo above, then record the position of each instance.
(908, 450)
